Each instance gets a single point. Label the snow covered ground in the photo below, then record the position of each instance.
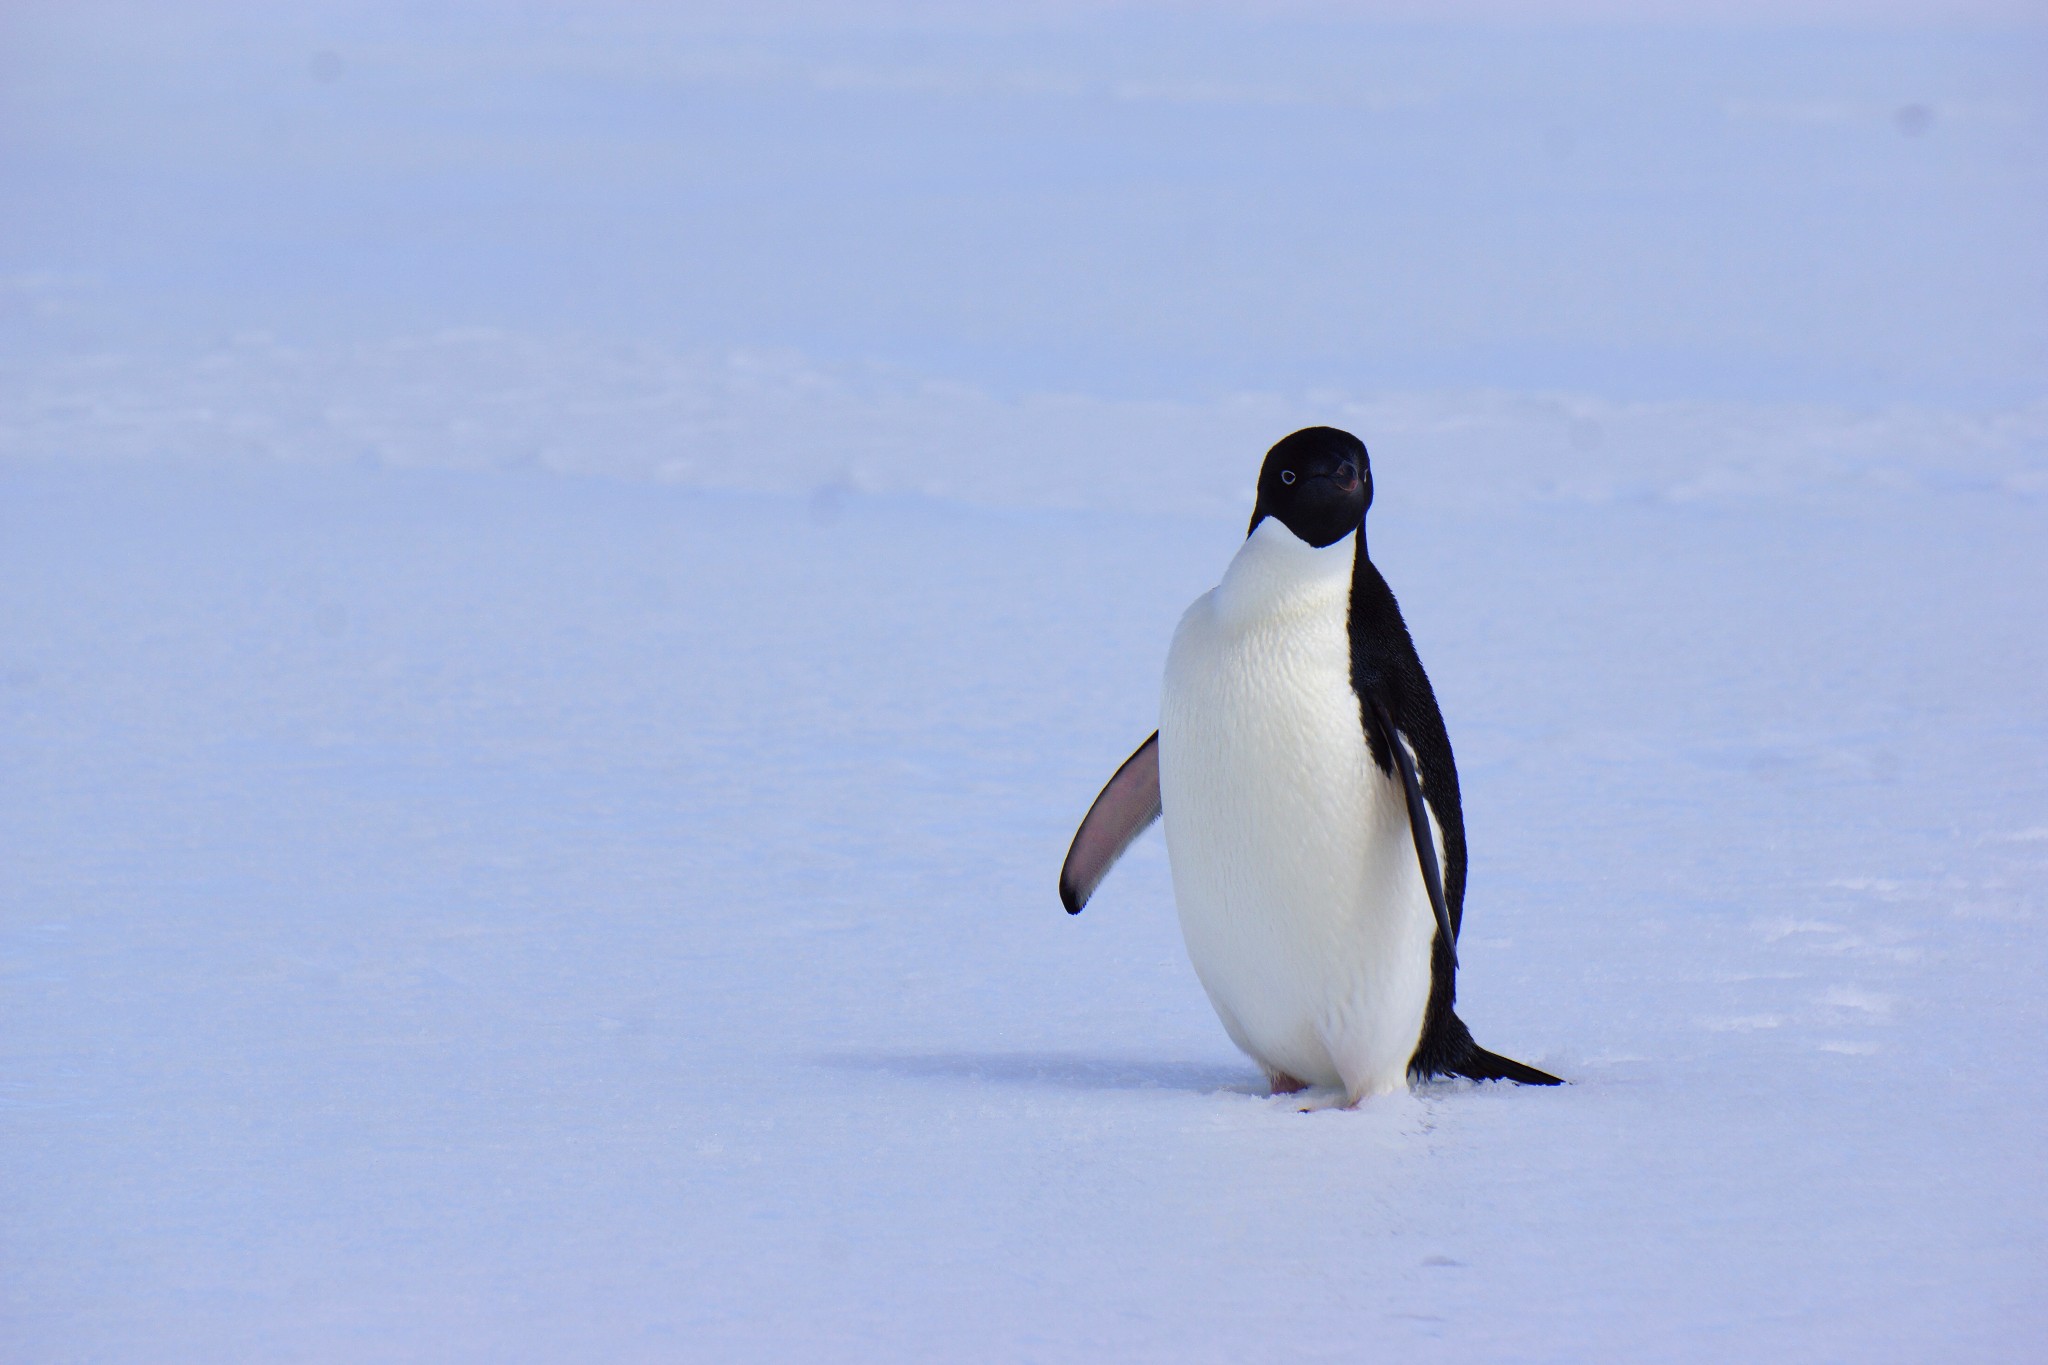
(529, 806)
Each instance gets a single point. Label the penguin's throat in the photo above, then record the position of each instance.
(1278, 573)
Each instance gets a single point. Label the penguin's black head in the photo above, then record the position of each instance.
(1317, 483)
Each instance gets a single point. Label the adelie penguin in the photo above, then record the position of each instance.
(1310, 800)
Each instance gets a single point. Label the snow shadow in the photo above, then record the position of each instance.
(1062, 1070)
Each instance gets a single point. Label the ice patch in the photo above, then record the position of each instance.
(1777, 930)
(1868, 1003)
(1747, 1023)
(1883, 887)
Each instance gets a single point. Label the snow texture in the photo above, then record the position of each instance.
(565, 577)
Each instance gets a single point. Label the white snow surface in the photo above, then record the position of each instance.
(566, 576)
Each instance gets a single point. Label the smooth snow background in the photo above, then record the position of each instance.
(565, 576)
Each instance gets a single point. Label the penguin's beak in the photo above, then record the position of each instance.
(1344, 477)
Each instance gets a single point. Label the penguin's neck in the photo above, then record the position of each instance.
(1277, 573)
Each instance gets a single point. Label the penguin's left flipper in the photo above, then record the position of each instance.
(1418, 826)
(1125, 809)
(1451, 1049)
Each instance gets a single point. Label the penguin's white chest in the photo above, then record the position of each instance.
(1294, 870)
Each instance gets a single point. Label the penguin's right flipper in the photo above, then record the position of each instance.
(1125, 809)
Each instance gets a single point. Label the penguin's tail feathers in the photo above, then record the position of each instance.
(1448, 1049)
(1482, 1065)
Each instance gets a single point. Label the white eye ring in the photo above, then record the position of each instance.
(1287, 476)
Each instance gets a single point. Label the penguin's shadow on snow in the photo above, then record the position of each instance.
(1060, 1070)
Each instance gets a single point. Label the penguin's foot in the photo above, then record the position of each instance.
(1312, 1099)
(1284, 1084)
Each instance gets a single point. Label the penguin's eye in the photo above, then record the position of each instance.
(1287, 476)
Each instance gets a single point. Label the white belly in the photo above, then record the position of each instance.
(1304, 910)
